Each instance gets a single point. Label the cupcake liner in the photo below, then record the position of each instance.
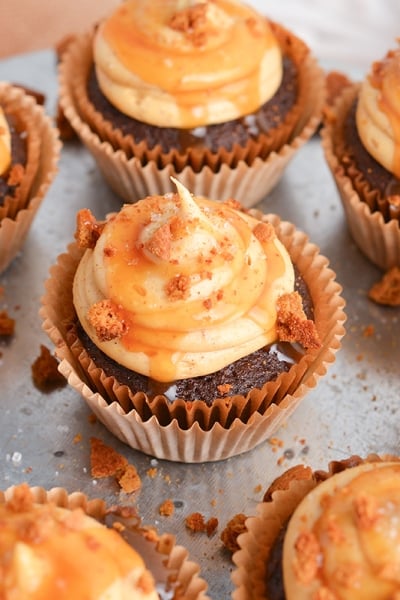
(168, 562)
(379, 240)
(195, 432)
(263, 528)
(247, 173)
(44, 148)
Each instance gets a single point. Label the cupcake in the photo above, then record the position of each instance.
(361, 144)
(58, 545)
(29, 152)
(208, 90)
(192, 327)
(328, 535)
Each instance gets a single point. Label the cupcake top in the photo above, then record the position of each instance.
(176, 286)
(343, 539)
(5, 143)
(378, 112)
(186, 63)
(51, 552)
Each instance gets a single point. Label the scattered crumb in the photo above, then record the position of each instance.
(368, 331)
(45, 373)
(387, 290)
(258, 489)
(197, 523)
(107, 462)
(152, 472)
(77, 438)
(292, 323)
(130, 480)
(233, 529)
(167, 508)
(92, 419)
(7, 324)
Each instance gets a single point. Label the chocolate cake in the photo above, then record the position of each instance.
(360, 163)
(268, 117)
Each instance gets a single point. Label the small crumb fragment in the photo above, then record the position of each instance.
(387, 290)
(197, 523)
(233, 529)
(167, 508)
(130, 480)
(107, 462)
(45, 373)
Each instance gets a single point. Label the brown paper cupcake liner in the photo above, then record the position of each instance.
(195, 432)
(271, 516)
(169, 562)
(377, 238)
(44, 148)
(246, 173)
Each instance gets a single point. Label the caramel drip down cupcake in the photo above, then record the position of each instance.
(192, 327)
(362, 148)
(211, 91)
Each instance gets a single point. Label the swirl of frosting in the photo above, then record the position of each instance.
(378, 112)
(178, 287)
(343, 540)
(49, 552)
(186, 63)
(5, 143)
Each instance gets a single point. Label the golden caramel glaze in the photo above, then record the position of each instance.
(47, 552)
(378, 112)
(5, 144)
(343, 540)
(179, 286)
(186, 63)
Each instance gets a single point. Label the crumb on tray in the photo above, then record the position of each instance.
(387, 290)
(45, 373)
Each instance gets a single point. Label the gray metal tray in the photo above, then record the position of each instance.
(44, 438)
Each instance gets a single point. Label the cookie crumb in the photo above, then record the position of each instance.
(387, 290)
(167, 508)
(7, 324)
(45, 373)
(233, 529)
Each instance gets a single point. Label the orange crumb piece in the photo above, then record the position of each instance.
(7, 324)
(292, 323)
(104, 460)
(152, 472)
(88, 229)
(224, 388)
(178, 287)
(107, 320)
(211, 526)
(233, 529)
(264, 232)
(45, 373)
(387, 290)
(197, 523)
(167, 508)
(369, 330)
(130, 480)
(77, 438)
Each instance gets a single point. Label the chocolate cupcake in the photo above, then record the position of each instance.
(361, 145)
(29, 152)
(324, 534)
(211, 91)
(55, 544)
(196, 344)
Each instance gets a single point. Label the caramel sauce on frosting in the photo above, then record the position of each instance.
(47, 552)
(378, 112)
(186, 63)
(5, 144)
(185, 285)
(343, 540)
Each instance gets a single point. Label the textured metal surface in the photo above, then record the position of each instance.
(44, 438)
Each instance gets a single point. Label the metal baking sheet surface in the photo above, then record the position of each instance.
(45, 437)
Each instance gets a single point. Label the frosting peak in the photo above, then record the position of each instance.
(186, 63)
(185, 285)
(378, 112)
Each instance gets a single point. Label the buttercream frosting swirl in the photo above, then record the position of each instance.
(378, 112)
(178, 286)
(5, 143)
(49, 552)
(186, 63)
(343, 540)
